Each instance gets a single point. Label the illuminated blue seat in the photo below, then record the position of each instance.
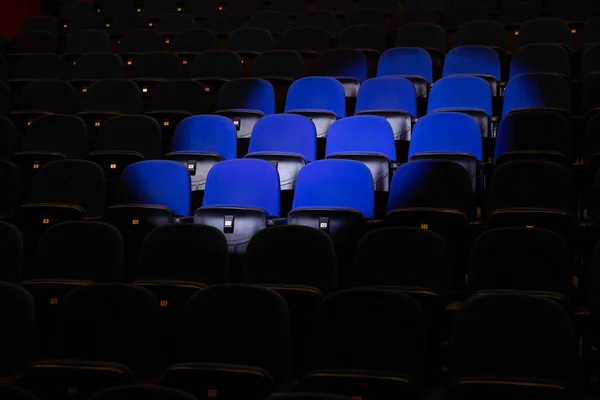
(245, 101)
(412, 63)
(541, 58)
(391, 97)
(470, 95)
(537, 91)
(449, 136)
(239, 197)
(368, 139)
(335, 196)
(480, 61)
(153, 193)
(202, 141)
(288, 141)
(346, 65)
(319, 98)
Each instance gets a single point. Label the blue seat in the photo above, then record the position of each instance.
(160, 184)
(368, 139)
(349, 66)
(391, 97)
(334, 196)
(537, 91)
(239, 197)
(245, 101)
(480, 61)
(153, 193)
(467, 94)
(288, 141)
(319, 98)
(449, 136)
(412, 63)
(541, 58)
(200, 142)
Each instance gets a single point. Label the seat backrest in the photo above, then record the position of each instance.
(247, 93)
(207, 133)
(537, 91)
(482, 33)
(120, 95)
(167, 250)
(460, 92)
(395, 341)
(343, 63)
(279, 63)
(137, 133)
(246, 183)
(157, 182)
(65, 247)
(440, 184)
(285, 133)
(66, 134)
(181, 95)
(158, 65)
(315, 268)
(545, 30)
(194, 40)
(540, 58)
(344, 184)
(98, 66)
(387, 93)
(87, 41)
(446, 132)
(472, 60)
(217, 64)
(514, 335)
(121, 320)
(366, 134)
(140, 41)
(410, 61)
(258, 314)
(48, 95)
(317, 93)
(73, 182)
(250, 39)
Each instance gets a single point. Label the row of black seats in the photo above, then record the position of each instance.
(236, 341)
